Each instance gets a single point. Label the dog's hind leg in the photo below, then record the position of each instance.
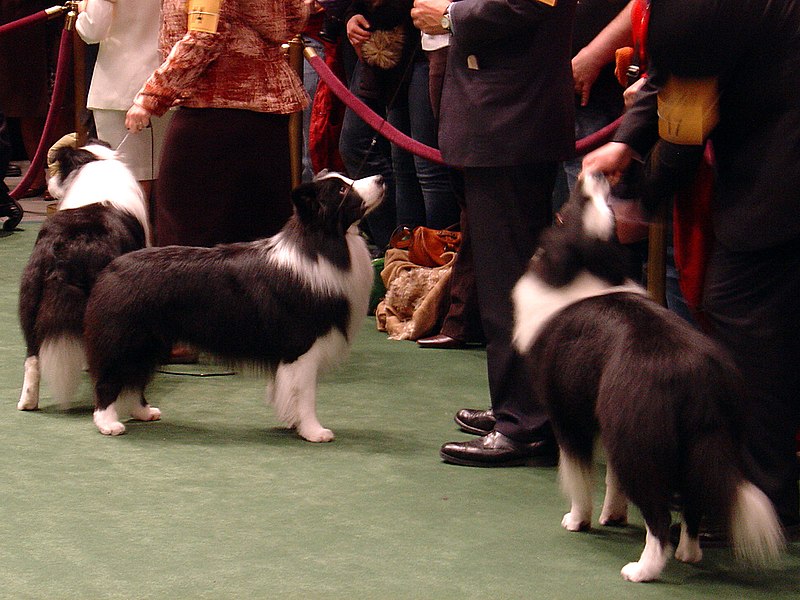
(294, 394)
(29, 398)
(142, 411)
(615, 504)
(657, 549)
(651, 563)
(689, 550)
(576, 477)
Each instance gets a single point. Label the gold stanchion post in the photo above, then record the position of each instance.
(294, 52)
(657, 256)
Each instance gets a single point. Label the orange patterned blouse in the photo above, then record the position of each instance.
(241, 66)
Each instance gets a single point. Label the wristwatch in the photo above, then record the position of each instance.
(445, 20)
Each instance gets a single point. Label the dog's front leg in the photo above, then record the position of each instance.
(294, 394)
(29, 398)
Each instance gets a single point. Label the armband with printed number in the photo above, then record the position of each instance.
(203, 15)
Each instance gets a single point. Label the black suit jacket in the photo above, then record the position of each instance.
(516, 107)
(753, 48)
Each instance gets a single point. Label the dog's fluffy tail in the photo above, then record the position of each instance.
(756, 533)
(62, 359)
(715, 477)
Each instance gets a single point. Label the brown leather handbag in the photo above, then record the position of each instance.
(426, 247)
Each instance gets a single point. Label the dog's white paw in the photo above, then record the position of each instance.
(613, 520)
(689, 551)
(316, 435)
(112, 428)
(146, 413)
(28, 401)
(106, 421)
(636, 572)
(572, 522)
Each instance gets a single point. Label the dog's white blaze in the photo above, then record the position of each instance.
(652, 561)
(105, 181)
(368, 188)
(598, 219)
(536, 302)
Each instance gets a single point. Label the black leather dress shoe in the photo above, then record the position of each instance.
(441, 341)
(473, 420)
(11, 208)
(497, 450)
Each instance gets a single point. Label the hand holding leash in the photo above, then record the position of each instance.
(137, 118)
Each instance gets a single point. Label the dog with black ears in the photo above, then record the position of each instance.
(102, 214)
(290, 305)
(607, 362)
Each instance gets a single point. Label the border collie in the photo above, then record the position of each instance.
(290, 305)
(608, 362)
(101, 215)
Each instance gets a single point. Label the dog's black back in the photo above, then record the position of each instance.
(72, 248)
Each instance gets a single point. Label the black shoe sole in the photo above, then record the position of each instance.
(525, 461)
(470, 429)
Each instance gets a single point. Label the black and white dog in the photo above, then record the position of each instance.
(290, 304)
(608, 362)
(101, 215)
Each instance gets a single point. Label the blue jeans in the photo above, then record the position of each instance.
(418, 191)
(424, 190)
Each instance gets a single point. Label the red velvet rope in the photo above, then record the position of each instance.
(372, 119)
(29, 20)
(394, 135)
(59, 87)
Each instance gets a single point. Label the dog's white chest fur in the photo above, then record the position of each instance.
(535, 302)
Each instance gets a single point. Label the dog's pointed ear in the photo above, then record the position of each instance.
(304, 198)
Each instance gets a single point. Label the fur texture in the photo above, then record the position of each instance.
(609, 363)
(101, 215)
(290, 305)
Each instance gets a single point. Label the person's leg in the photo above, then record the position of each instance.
(409, 200)
(751, 301)
(441, 208)
(366, 153)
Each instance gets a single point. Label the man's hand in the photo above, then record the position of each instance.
(585, 69)
(427, 15)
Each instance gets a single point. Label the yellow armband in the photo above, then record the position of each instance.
(688, 109)
(203, 15)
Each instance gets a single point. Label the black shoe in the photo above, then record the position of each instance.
(13, 170)
(441, 341)
(473, 420)
(497, 450)
(11, 208)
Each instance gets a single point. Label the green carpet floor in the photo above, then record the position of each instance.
(217, 501)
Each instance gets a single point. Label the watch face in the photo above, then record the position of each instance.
(445, 22)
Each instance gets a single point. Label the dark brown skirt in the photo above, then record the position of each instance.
(225, 176)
